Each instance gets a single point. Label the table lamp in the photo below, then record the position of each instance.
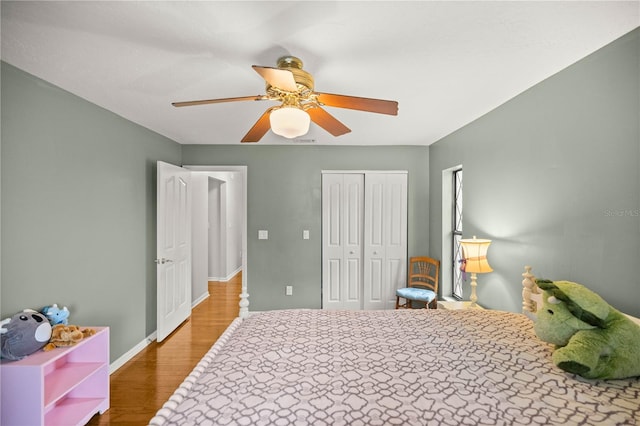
(475, 261)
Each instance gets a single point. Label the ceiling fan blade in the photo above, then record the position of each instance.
(379, 106)
(218, 101)
(276, 77)
(327, 121)
(259, 129)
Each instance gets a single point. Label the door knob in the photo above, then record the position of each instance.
(163, 261)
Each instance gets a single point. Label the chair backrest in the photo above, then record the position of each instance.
(423, 272)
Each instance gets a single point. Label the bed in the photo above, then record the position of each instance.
(404, 367)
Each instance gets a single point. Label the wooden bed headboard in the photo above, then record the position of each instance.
(532, 296)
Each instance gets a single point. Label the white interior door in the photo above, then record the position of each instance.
(342, 200)
(374, 291)
(173, 247)
(396, 236)
(385, 239)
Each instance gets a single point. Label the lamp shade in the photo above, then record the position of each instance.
(289, 121)
(475, 255)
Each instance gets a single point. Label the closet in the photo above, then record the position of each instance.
(364, 238)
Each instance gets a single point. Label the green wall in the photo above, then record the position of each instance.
(78, 209)
(553, 178)
(284, 197)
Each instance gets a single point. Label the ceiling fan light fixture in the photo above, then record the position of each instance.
(289, 121)
(300, 104)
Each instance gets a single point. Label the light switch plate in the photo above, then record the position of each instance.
(263, 235)
(305, 234)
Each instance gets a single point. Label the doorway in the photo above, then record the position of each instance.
(219, 228)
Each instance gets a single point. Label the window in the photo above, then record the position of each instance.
(456, 217)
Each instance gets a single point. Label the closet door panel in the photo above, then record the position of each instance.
(332, 282)
(342, 241)
(353, 213)
(332, 237)
(374, 211)
(334, 218)
(396, 272)
(353, 196)
(396, 211)
(395, 236)
(353, 291)
(374, 287)
(374, 241)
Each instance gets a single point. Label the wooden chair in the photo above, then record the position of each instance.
(422, 284)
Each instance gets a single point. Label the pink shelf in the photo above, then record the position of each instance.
(75, 411)
(61, 381)
(65, 386)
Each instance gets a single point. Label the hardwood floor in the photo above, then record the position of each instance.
(142, 385)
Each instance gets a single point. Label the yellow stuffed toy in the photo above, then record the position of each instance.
(67, 335)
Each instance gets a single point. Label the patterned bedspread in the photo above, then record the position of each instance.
(404, 367)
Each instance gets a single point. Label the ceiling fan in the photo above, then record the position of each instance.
(293, 87)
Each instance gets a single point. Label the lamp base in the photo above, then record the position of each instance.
(474, 296)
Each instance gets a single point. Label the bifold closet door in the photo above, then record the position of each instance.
(342, 215)
(385, 239)
(364, 239)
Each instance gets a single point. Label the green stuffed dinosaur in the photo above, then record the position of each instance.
(592, 339)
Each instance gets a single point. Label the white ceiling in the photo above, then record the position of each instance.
(445, 62)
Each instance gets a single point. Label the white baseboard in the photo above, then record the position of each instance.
(234, 273)
(127, 356)
(200, 299)
(227, 278)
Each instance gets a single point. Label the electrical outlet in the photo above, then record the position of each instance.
(288, 290)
